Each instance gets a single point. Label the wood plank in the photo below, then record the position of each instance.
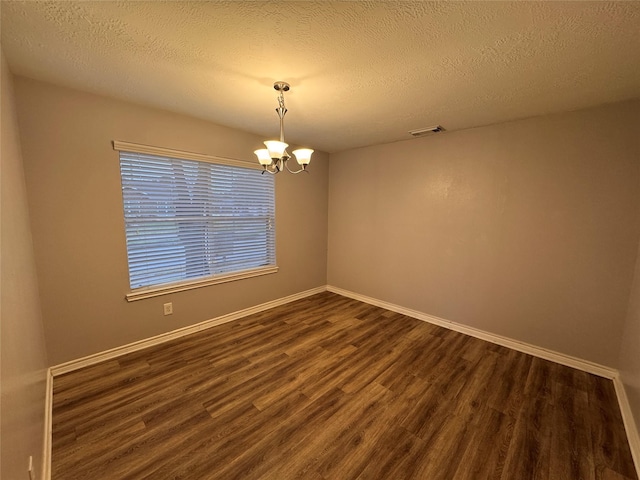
(331, 388)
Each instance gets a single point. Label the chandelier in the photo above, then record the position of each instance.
(274, 158)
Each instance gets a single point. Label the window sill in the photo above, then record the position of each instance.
(142, 293)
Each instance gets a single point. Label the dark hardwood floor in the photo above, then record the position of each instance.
(331, 388)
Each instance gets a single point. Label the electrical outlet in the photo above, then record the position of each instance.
(32, 474)
(168, 308)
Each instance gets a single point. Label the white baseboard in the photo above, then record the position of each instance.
(181, 332)
(556, 357)
(629, 424)
(48, 411)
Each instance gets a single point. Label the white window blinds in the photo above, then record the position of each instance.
(188, 219)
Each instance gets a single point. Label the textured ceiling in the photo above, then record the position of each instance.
(361, 72)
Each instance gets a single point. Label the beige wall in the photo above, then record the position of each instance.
(23, 359)
(73, 182)
(630, 351)
(527, 229)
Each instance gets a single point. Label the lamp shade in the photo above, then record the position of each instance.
(276, 148)
(303, 155)
(263, 156)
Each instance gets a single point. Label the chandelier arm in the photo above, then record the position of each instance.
(302, 169)
(275, 167)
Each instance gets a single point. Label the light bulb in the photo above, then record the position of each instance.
(303, 155)
(263, 156)
(276, 148)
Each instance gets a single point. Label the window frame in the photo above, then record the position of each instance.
(188, 284)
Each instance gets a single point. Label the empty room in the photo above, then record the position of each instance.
(320, 240)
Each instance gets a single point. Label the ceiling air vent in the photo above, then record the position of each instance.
(423, 132)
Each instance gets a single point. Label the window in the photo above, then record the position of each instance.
(192, 220)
